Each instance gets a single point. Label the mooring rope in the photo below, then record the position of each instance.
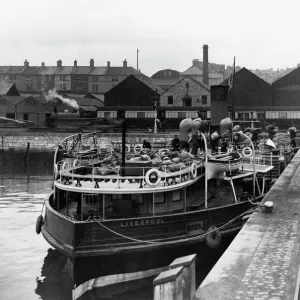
(187, 239)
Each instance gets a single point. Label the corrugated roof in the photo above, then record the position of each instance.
(64, 70)
(81, 70)
(47, 71)
(98, 71)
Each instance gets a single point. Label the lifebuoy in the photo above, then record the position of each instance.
(247, 149)
(38, 225)
(138, 147)
(153, 177)
(213, 237)
(193, 170)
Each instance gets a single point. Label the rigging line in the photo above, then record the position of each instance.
(188, 239)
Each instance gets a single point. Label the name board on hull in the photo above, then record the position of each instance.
(143, 222)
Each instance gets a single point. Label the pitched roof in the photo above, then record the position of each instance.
(88, 107)
(198, 82)
(170, 82)
(122, 71)
(8, 89)
(98, 71)
(14, 99)
(193, 70)
(149, 83)
(82, 70)
(32, 70)
(63, 70)
(47, 70)
(97, 96)
(3, 69)
(15, 69)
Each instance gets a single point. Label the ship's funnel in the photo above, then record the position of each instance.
(185, 127)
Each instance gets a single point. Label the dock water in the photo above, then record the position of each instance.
(263, 260)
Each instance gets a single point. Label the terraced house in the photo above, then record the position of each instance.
(72, 79)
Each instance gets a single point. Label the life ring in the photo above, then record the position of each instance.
(193, 170)
(38, 225)
(213, 237)
(247, 149)
(153, 177)
(138, 147)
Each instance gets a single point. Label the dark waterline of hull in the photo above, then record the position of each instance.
(32, 269)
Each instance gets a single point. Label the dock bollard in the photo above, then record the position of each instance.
(167, 285)
(188, 284)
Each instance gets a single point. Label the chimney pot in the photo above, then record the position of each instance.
(196, 62)
(75, 63)
(108, 64)
(125, 63)
(43, 64)
(59, 63)
(26, 63)
(91, 63)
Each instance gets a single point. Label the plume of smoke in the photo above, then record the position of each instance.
(52, 94)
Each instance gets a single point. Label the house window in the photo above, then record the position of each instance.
(187, 101)
(95, 78)
(141, 114)
(204, 99)
(170, 99)
(47, 77)
(29, 86)
(63, 86)
(62, 78)
(13, 77)
(187, 85)
(95, 87)
(78, 77)
(25, 117)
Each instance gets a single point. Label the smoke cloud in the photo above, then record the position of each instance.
(52, 94)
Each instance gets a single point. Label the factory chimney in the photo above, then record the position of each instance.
(205, 64)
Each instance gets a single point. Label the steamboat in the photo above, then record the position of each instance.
(125, 214)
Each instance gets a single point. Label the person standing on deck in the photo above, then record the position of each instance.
(175, 143)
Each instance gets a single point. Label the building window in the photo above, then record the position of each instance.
(187, 101)
(187, 85)
(95, 87)
(25, 117)
(107, 114)
(181, 115)
(78, 77)
(115, 78)
(141, 114)
(10, 116)
(95, 78)
(204, 99)
(170, 99)
(47, 77)
(29, 86)
(13, 77)
(63, 86)
(62, 78)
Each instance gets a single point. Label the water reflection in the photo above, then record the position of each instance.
(30, 268)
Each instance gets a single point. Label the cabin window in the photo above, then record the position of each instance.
(170, 100)
(176, 196)
(159, 198)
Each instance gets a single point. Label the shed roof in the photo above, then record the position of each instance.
(8, 89)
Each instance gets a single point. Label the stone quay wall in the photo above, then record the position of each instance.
(47, 141)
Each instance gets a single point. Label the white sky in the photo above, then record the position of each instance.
(168, 33)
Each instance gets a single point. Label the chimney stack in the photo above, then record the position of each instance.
(125, 63)
(196, 63)
(26, 63)
(43, 64)
(108, 64)
(205, 64)
(59, 63)
(91, 63)
(75, 63)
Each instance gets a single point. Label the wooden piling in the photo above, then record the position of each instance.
(167, 285)
(27, 153)
(188, 284)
